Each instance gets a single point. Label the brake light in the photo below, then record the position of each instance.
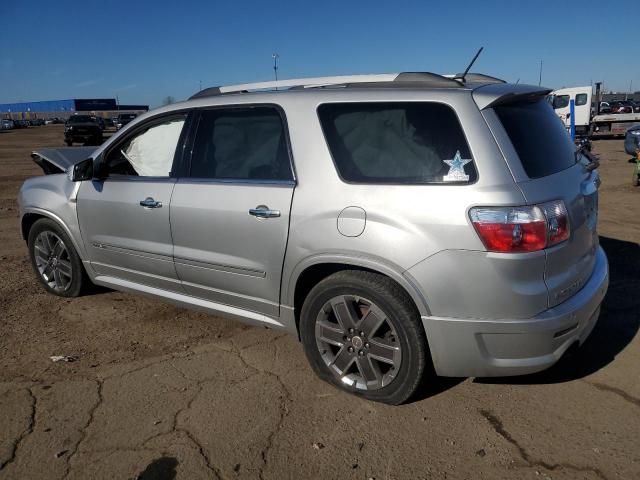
(521, 229)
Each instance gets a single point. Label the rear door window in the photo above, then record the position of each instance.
(241, 144)
(397, 143)
(538, 136)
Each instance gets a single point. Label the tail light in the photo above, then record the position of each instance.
(557, 222)
(521, 229)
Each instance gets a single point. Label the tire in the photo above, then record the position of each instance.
(61, 264)
(68, 142)
(399, 339)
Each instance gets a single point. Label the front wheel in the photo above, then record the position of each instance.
(362, 333)
(55, 260)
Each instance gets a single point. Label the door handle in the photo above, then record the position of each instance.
(262, 211)
(150, 203)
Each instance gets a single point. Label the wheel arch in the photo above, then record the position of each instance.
(31, 216)
(311, 271)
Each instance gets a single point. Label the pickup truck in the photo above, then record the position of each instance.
(82, 128)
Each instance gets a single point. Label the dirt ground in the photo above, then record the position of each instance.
(159, 392)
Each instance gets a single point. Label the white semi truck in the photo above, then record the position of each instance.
(588, 121)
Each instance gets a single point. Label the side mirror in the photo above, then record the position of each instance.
(82, 170)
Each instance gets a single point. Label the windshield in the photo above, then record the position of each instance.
(538, 136)
(80, 119)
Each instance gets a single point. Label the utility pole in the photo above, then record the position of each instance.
(200, 89)
(540, 74)
(275, 57)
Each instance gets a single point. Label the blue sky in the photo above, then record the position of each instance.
(143, 51)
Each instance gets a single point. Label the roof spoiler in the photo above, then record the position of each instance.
(492, 95)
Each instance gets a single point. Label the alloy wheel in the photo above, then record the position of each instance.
(358, 342)
(53, 261)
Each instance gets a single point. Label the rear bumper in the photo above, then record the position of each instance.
(487, 348)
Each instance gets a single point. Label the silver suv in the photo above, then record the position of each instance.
(397, 224)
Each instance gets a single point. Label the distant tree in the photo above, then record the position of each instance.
(168, 100)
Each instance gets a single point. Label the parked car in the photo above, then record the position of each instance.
(6, 124)
(36, 122)
(621, 106)
(605, 107)
(636, 105)
(632, 140)
(437, 224)
(21, 123)
(82, 128)
(123, 119)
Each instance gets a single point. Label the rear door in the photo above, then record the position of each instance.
(230, 211)
(124, 217)
(546, 167)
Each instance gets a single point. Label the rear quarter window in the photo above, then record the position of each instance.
(538, 136)
(397, 143)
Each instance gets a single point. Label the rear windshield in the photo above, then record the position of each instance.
(539, 137)
(398, 143)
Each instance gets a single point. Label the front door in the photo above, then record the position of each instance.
(124, 217)
(230, 213)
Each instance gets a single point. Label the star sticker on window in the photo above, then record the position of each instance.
(456, 169)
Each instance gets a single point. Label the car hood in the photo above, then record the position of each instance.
(58, 160)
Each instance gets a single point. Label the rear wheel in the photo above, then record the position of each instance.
(362, 333)
(54, 260)
(68, 142)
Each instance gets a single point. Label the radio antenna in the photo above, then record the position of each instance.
(462, 77)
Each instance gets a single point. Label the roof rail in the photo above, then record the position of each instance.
(408, 79)
(296, 82)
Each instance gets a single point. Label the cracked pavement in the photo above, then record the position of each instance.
(159, 392)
